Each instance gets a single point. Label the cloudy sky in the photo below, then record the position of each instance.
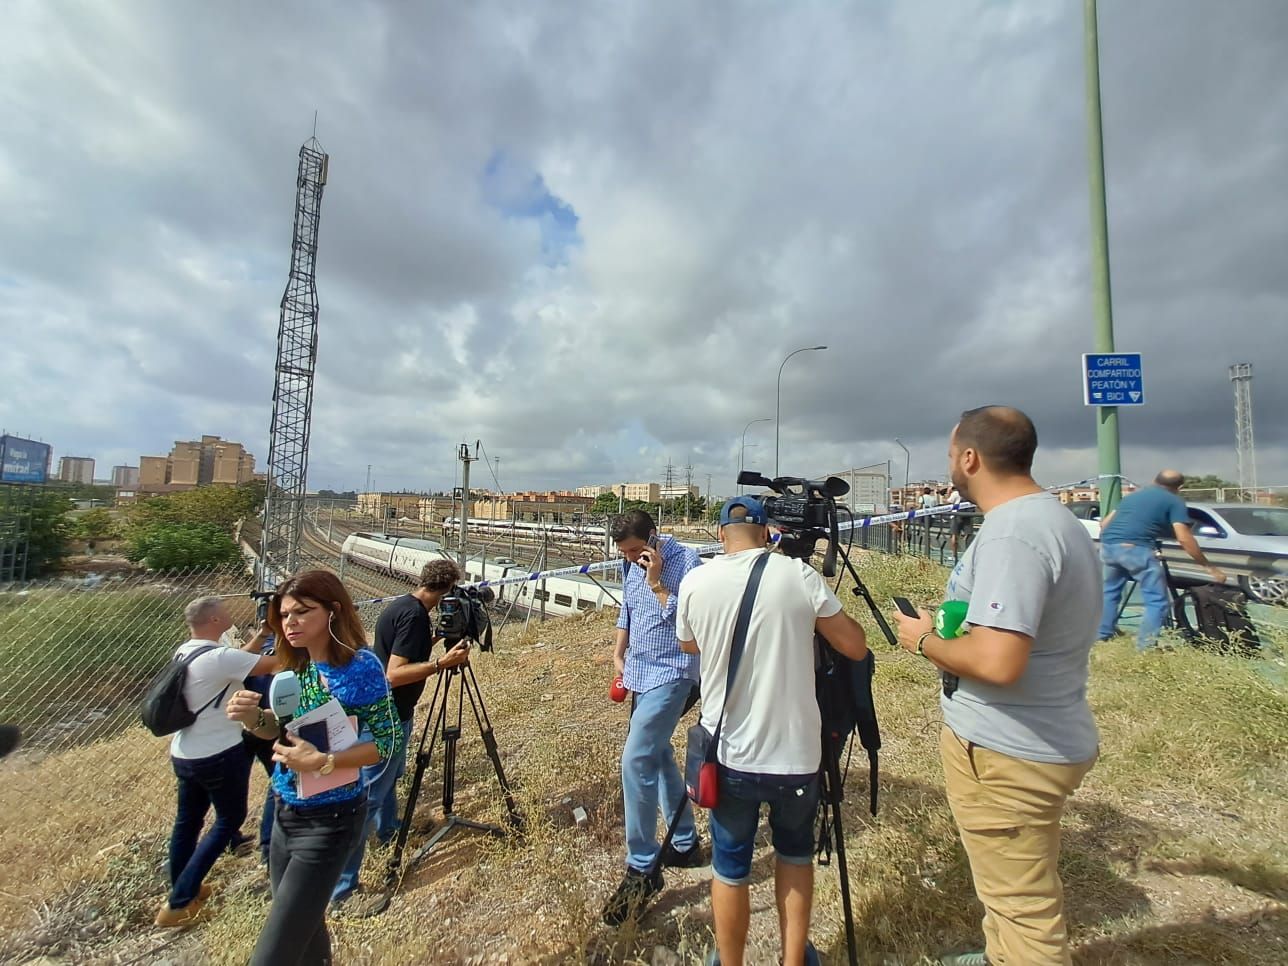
(587, 235)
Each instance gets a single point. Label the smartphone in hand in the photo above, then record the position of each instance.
(650, 545)
(905, 607)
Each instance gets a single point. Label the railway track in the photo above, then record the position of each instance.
(361, 584)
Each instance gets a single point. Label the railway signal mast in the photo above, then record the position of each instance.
(297, 343)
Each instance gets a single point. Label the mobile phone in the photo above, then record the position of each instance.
(315, 734)
(651, 544)
(905, 607)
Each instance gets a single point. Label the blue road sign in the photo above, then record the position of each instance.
(1113, 379)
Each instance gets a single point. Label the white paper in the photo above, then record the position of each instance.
(340, 732)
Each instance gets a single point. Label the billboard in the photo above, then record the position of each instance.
(23, 460)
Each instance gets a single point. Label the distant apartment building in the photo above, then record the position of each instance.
(677, 491)
(385, 506)
(76, 469)
(599, 489)
(644, 492)
(125, 477)
(909, 498)
(868, 487)
(193, 463)
(1088, 494)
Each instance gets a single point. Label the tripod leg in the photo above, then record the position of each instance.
(429, 732)
(833, 791)
(471, 686)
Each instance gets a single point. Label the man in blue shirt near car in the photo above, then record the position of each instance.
(661, 678)
(1127, 540)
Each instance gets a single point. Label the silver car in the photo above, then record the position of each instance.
(1246, 540)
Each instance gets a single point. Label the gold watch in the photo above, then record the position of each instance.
(656, 587)
(329, 766)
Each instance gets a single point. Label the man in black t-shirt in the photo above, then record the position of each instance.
(404, 639)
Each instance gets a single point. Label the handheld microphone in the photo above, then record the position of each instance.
(284, 699)
(950, 619)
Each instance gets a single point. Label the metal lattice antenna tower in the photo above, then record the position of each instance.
(1241, 376)
(297, 343)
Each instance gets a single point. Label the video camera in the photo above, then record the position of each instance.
(804, 508)
(462, 615)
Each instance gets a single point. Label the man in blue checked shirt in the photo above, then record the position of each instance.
(663, 682)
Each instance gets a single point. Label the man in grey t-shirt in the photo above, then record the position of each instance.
(1018, 733)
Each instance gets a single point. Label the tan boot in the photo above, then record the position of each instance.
(185, 916)
(205, 891)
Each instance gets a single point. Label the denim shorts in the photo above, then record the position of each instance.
(793, 807)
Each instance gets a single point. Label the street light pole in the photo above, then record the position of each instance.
(742, 451)
(1106, 416)
(778, 400)
(907, 465)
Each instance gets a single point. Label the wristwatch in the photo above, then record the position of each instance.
(329, 766)
(656, 587)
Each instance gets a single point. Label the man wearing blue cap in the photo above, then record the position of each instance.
(770, 737)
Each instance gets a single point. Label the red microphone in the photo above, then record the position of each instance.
(617, 690)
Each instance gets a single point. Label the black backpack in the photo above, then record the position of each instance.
(844, 691)
(165, 710)
(1222, 617)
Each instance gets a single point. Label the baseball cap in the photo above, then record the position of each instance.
(752, 511)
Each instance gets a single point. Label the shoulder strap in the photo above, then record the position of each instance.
(739, 643)
(192, 656)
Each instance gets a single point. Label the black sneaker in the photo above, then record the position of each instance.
(631, 896)
(693, 858)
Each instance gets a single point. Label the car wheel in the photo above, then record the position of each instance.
(1266, 590)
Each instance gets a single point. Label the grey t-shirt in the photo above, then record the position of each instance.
(1032, 569)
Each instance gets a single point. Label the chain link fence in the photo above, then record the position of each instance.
(76, 654)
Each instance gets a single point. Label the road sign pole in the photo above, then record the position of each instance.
(1106, 416)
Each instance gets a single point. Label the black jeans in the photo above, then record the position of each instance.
(308, 851)
(220, 781)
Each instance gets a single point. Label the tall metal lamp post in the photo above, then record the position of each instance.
(742, 450)
(907, 465)
(778, 401)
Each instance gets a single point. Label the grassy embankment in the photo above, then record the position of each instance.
(1174, 848)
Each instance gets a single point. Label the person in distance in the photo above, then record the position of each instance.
(1127, 539)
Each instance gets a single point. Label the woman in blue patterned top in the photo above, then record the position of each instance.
(320, 638)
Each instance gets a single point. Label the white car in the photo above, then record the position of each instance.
(1246, 540)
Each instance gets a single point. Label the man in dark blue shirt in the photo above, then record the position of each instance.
(1127, 540)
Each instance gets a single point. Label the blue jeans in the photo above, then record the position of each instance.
(220, 781)
(382, 811)
(309, 847)
(261, 750)
(649, 770)
(1123, 561)
(793, 807)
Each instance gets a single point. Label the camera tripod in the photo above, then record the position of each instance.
(441, 723)
(833, 671)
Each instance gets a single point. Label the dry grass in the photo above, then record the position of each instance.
(1174, 848)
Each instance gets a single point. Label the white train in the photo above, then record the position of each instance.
(562, 532)
(405, 557)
